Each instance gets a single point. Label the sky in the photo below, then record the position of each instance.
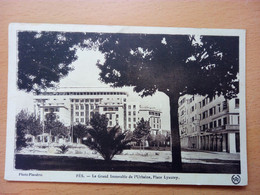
(86, 74)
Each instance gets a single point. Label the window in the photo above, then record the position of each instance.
(116, 108)
(82, 120)
(219, 122)
(77, 113)
(77, 107)
(134, 106)
(129, 119)
(224, 105)
(91, 106)
(105, 109)
(134, 113)
(117, 116)
(211, 125)
(46, 109)
(110, 123)
(77, 100)
(134, 119)
(129, 126)
(129, 107)
(210, 111)
(91, 100)
(225, 121)
(236, 103)
(110, 116)
(82, 114)
(57, 110)
(129, 113)
(215, 123)
(81, 106)
(134, 125)
(77, 120)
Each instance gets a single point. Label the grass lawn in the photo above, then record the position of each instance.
(65, 163)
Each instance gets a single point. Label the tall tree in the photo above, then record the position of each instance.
(53, 126)
(21, 129)
(46, 56)
(26, 123)
(173, 64)
(141, 131)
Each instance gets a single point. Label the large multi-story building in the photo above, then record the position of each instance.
(209, 124)
(78, 105)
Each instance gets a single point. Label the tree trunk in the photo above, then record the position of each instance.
(175, 135)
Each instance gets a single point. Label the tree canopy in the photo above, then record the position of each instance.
(174, 64)
(54, 126)
(45, 57)
(141, 131)
(79, 131)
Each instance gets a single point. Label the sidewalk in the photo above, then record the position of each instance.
(210, 157)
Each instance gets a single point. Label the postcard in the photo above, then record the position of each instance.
(125, 104)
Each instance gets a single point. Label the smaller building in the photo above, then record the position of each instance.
(152, 115)
(209, 124)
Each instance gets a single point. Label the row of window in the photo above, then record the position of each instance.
(130, 107)
(130, 113)
(109, 116)
(84, 93)
(214, 124)
(154, 113)
(129, 119)
(85, 100)
(110, 109)
(51, 110)
(82, 107)
(212, 111)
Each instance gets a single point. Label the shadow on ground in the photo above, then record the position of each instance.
(65, 163)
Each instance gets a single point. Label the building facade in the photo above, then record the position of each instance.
(152, 115)
(78, 105)
(209, 124)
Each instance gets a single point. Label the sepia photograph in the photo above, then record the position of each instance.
(117, 104)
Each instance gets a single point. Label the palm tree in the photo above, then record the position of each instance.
(106, 141)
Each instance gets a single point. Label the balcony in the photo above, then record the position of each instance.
(227, 127)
